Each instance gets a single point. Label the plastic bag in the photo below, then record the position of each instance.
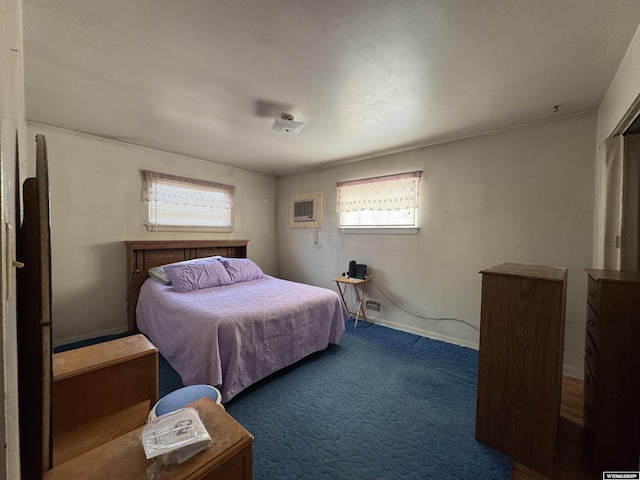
(175, 437)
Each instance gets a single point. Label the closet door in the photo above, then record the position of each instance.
(631, 204)
(34, 322)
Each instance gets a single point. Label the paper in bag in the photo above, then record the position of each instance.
(177, 436)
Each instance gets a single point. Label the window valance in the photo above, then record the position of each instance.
(182, 201)
(388, 192)
(178, 190)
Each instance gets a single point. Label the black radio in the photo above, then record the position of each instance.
(357, 270)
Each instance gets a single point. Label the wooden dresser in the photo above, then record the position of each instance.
(101, 391)
(229, 457)
(520, 362)
(612, 369)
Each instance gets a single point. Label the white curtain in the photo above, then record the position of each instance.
(389, 192)
(181, 201)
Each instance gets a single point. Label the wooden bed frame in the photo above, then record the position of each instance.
(142, 255)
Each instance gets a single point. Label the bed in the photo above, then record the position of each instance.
(233, 335)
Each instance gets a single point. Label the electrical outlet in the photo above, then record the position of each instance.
(372, 305)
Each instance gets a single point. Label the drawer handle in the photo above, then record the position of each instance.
(590, 323)
(587, 380)
(588, 351)
(592, 293)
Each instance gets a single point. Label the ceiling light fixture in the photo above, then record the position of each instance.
(286, 123)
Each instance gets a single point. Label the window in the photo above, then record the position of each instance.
(187, 204)
(389, 202)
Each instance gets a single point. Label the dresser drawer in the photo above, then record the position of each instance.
(588, 398)
(593, 294)
(590, 355)
(612, 369)
(593, 326)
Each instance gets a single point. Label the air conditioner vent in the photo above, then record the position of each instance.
(304, 211)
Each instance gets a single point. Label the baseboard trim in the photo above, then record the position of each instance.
(572, 372)
(567, 370)
(424, 333)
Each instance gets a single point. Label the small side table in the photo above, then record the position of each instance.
(359, 286)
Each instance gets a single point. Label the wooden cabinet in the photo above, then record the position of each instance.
(520, 362)
(229, 457)
(101, 390)
(612, 369)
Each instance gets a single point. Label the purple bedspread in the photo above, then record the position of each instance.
(232, 336)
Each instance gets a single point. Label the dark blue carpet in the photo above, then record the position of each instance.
(383, 404)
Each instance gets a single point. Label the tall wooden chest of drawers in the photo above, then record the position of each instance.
(520, 362)
(612, 369)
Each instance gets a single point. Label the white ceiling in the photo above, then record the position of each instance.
(205, 78)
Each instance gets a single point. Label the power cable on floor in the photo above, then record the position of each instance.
(423, 317)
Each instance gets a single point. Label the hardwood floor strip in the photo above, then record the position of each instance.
(572, 458)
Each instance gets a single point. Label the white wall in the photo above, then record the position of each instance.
(520, 195)
(96, 205)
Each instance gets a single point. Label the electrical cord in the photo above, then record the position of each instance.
(316, 240)
(420, 316)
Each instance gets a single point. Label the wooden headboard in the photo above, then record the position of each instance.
(143, 255)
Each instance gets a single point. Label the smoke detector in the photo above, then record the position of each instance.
(286, 123)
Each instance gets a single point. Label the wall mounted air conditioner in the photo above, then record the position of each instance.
(304, 211)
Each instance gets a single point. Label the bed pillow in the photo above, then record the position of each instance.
(242, 269)
(159, 274)
(191, 261)
(197, 274)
